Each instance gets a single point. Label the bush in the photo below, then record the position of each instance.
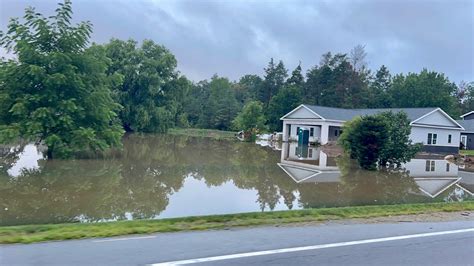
(382, 139)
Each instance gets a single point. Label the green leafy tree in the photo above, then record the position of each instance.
(274, 80)
(335, 82)
(367, 140)
(288, 98)
(399, 148)
(248, 88)
(379, 89)
(382, 139)
(56, 91)
(251, 118)
(465, 96)
(296, 78)
(221, 107)
(426, 89)
(152, 91)
(194, 102)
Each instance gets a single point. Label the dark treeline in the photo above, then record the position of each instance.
(72, 96)
(339, 80)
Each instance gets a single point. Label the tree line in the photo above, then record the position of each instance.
(73, 96)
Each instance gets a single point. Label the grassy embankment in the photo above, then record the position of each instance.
(206, 133)
(48, 232)
(466, 152)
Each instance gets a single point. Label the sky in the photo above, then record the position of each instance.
(234, 38)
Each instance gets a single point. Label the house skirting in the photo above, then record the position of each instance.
(440, 149)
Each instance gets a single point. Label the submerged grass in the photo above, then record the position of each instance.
(49, 232)
(206, 133)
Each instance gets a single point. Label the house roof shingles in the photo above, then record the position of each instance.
(342, 114)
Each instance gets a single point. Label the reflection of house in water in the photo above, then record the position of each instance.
(467, 182)
(433, 177)
(307, 164)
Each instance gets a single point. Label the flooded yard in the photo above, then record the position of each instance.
(162, 176)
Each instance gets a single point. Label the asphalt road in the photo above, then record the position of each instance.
(382, 244)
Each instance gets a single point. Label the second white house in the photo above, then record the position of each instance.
(431, 126)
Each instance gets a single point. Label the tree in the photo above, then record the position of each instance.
(152, 91)
(56, 91)
(426, 89)
(248, 88)
(336, 83)
(251, 117)
(382, 139)
(221, 107)
(399, 148)
(379, 89)
(286, 100)
(296, 78)
(365, 140)
(274, 80)
(465, 96)
(357, 58)
(194, 102)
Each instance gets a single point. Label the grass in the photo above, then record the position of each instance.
(49, 232)
(466, 152)
(206, 133)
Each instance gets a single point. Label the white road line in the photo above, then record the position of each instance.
(122, 239)
(323, 246)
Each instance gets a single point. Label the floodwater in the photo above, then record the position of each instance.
(162, 176)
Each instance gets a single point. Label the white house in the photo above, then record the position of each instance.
(430, 126)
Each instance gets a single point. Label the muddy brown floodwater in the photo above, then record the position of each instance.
(161, 176)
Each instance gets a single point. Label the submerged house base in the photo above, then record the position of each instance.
(432, 127)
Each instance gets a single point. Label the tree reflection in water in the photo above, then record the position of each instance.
(138, 182)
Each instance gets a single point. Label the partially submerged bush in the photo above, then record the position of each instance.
(382, 139)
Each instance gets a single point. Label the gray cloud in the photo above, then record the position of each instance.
(233, 38)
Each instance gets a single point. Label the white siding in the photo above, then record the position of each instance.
(420, 134)
(417, 168)
(302, 113)
(436, 119)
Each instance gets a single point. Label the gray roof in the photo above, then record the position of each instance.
(468, 125)
(333, 113)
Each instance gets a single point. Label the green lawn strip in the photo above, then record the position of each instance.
(467, 152)
(206, 133)
(48, 232)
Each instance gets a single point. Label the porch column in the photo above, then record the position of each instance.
(323, 159)
(324, 133)
(285, 131)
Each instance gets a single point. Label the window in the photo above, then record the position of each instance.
(310, 153)
(449, 138)
(430, 166)
(447, 167)
(432, 138)
(311, 132)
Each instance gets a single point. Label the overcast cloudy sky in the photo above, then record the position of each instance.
(233, 38)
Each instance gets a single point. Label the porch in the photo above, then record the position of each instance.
(319, 131)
